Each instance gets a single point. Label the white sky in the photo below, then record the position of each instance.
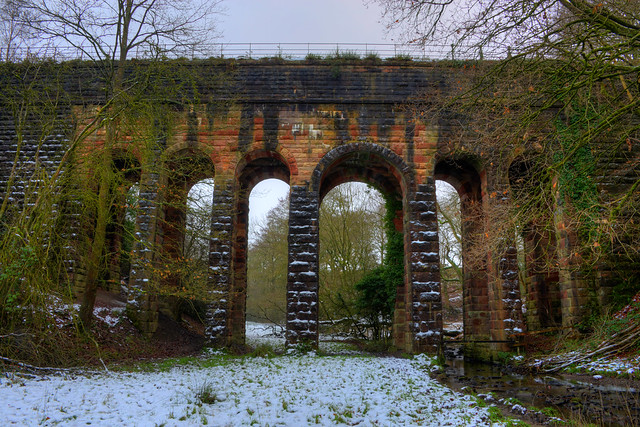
(264, 196)
(302, 21)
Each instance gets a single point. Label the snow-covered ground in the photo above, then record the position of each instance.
(220, 390)
(613, 365)
(258, 334)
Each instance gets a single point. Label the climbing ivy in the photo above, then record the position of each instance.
(377, 290)
(576, 167)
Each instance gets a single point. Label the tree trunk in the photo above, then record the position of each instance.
(98, 242)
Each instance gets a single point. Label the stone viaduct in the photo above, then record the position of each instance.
(316, 126)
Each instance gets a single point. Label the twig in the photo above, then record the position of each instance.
(45, 369)
(619, 342)
(14, 335)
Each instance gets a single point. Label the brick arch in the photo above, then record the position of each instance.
(417, 322)
(127, 164)
(351, 157)
(253, 167)
(465, 178)
(540, 247)
(130, 156)
(183, 167)
(280, 154)
(491, 292)
(180, 148)
(258, 165)
(189, 164)
(464, 174)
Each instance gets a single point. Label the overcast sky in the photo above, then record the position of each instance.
(302, 21)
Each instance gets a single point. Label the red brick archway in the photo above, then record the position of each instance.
(417, 317)
(466, 180)
(491, 293)
(254, 167)
(184, 168)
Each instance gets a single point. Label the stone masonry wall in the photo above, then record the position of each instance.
(350, 120)
(302, 279)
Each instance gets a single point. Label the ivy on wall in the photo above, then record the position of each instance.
(377, 290)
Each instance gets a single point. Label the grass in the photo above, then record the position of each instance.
(264, 350)
(164, 365)
(496, 416)
(205, 394)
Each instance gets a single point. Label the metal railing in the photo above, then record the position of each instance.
(287, 51)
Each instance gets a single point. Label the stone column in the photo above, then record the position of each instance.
(142, 303)
(573, 286)
(477, 291)
(423, 262)
(302, 279)
(217, 332)
(543, 308)
(511, 312)
(239, 251)
(505, 301)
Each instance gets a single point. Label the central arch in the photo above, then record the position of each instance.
(414, 325)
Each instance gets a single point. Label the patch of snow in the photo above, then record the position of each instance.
(111, 316)
(613, 365)
(519, 409)
(286, 390)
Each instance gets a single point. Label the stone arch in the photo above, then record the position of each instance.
(179, 149)
(126, 168)
(468, 180)
(280, 154)
(417, 320)
(258, 165)
(183, 168)
(363, 151)
(491, 289)
(541, 275)
(253, 167)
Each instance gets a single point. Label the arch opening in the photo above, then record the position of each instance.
(476, 309)
(451, 268)
(267, 261)
(184, 231)
(537, 245)
(353, 246)
(382, 170)
(121, 226)
(255, 168)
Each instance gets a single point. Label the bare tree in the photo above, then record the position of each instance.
(566, 85)
(109, 33)
(115, 30)
(352, 244)
(15, 31)
(267, 266)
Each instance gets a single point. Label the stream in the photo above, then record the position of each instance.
(588, 400)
